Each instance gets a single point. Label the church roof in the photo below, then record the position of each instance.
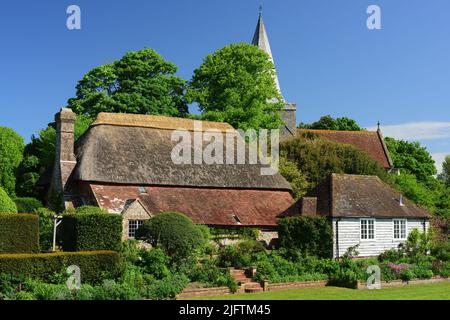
(344, 195)
(137, 150)
(369, 142)
(261, 40)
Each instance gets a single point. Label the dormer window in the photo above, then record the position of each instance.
(236, 218)
(142, 190)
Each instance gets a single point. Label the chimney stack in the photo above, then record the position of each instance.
(65, 160)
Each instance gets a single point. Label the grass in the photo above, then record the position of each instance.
(435, 291)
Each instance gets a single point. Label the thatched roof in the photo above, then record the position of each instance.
(369, 142)
(136, 150)
(344, 195)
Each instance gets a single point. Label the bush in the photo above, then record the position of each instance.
(175, 233)
(241, 254)
(155, 263)
(209, 274)
(27, 205)
(91, 231)
(19, 233)
(94, 265)
(167, 288)
(6, 204)
(309, 235)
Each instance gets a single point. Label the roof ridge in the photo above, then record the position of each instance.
(157, 122)
(346, 131)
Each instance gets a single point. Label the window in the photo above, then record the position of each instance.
(399, 229)
(367, 229)
(133, 225)
(142, 190)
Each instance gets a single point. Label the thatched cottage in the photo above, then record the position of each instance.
(123, 164)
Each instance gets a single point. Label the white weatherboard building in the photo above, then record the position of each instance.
(365, 212)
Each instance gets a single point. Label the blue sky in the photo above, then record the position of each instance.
(327, 60)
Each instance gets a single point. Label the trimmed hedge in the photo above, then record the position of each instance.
(95, 265)
(19, 233)
(27, 205)
(309, 235)
(84, 232)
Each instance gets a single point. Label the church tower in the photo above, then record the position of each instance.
(288, 113)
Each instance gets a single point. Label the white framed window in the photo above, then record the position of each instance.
(367, 229)
(399, 229)
(133, 225)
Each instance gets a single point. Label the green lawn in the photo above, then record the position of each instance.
(437, 291)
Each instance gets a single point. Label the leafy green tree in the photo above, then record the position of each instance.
(236, 85)
(11, 149)
(140, 82)
(329, 123)
(412, 158)
(39, 156)
(415, 191)
(445, 175)
(289, 170)
(317, 158)
(6, 204)
(173, 232)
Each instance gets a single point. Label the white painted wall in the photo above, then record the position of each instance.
(349, 235)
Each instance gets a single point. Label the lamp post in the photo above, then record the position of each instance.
(56, 222)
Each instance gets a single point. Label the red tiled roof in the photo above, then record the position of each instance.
(370, 142)
(208, 206)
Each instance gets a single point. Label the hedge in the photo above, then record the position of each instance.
(95, 265)
(19, 233)
(84, 232)
(309, 235)
(27, 205)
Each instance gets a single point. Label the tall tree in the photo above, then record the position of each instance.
(329, 123)
(236, 85)
(11, 149)
(140, 82)
(445, 175)
(412, 158)
(39, 156)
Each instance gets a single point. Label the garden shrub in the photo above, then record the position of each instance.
(210, 275)
(167, 288)
(95, 265)
(175, 233)
(91, 231)
(155, 263)
(86, 210)
(19, 233)
(241, 254)
(27, 205)
(309, 235)
(6, 204)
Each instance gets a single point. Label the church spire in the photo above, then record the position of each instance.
(261, 40)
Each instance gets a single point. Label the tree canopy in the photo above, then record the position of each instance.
(11, 149)
(39, 155)
(317, 158)
(412, 158)
(329, 123)
(6, 204)
(236, 85)
(140, 82)
(445, 175)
